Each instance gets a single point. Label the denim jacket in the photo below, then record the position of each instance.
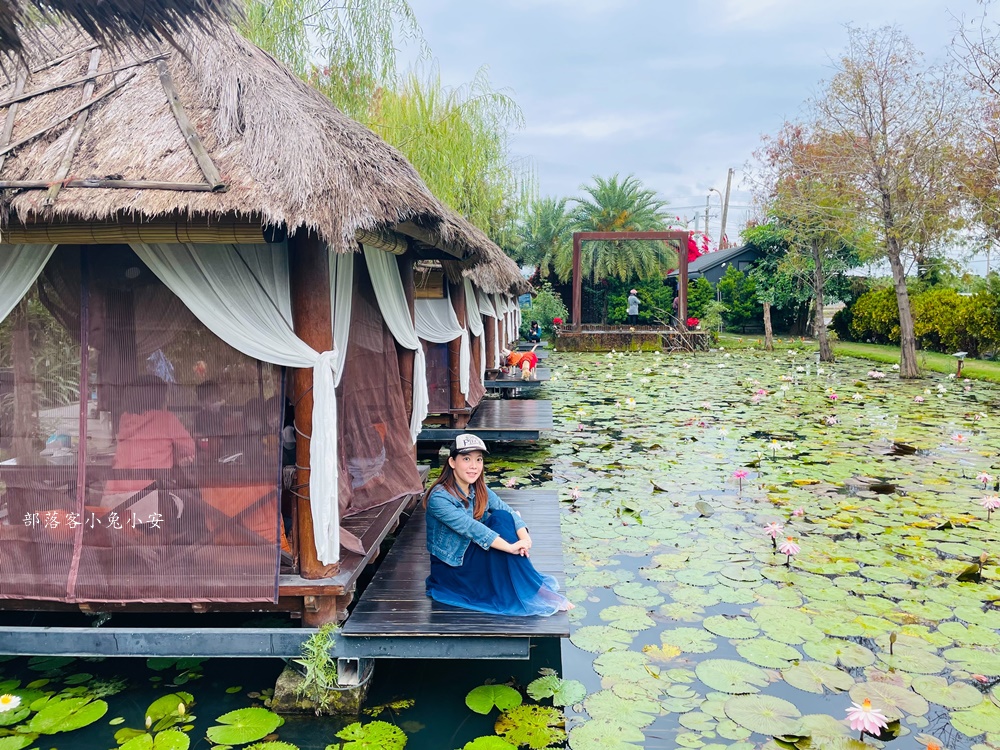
(450, 525)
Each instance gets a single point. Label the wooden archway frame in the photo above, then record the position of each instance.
(681, 237)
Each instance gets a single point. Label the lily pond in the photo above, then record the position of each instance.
(754, 543)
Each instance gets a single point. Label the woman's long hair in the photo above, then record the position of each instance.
(447, 480)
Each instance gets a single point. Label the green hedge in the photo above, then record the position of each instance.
(943, 320)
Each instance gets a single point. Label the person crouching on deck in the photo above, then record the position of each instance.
(527, 361)
(479, 546)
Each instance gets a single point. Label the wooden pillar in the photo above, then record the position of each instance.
(309, 270)
(406, 356)
(490, 332)
(458, 403)
(577, 283)
(682, 285)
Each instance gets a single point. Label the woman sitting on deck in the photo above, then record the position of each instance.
(479, 546)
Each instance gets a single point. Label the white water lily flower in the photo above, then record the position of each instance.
(9, 702)
(858, 397)
(721, 366)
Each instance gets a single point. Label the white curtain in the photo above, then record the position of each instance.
(436, 322)
(241, 293)
(19, 267)
(474, 318)
(392, 302)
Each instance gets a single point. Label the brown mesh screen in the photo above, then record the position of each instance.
(476, 388)
(172, 493)
(438, 378)
(377, 462)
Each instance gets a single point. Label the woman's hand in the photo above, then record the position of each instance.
(522, 535)
(520, 547)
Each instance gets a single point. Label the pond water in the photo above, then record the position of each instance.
(691, 630)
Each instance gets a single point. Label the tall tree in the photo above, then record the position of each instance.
(889, 120)
(616, 205)
(544, 234)
(816, 207)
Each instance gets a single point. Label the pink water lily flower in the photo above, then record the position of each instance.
(834, 396)
(575, 494)
(991, 503)
(774, 530)
(918, 399)
(739, 475)
(958, 437)
(984, 478)
(789, 547)
(511, 482)
(865, 718)
(799, 512)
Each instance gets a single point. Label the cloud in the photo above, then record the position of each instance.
(597, 128)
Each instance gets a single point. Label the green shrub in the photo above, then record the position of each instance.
(875, 317)
(545, 306)
(700, 294)
(739, 294)
(841, 323)
(655, 301)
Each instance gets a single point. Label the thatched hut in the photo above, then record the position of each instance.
(179, 275)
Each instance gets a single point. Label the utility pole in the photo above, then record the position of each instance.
(707, 197)
(725, 208)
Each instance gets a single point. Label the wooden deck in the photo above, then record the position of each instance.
(502, 381)
(395, 603)
(499, 419)
(525, 346)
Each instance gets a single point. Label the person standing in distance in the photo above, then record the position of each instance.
(633, 308)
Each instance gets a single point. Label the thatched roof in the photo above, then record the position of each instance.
(495, 272)
(112, 21)
(286, 155)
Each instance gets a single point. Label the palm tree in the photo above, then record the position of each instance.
(617, 205)
(544, 234)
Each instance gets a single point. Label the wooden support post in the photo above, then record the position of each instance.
(682, 286)
(490, 332)
(309, 270)
(458, 404)
(407, 357)
(577, 283)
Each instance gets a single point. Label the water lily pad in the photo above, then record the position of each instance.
(17, 741)
(491, 742)
(376, 735)
(536, 727)
(689, 640)
(950, 695)
(483, 698)
(839, 651)
(67, 715)
(764, 714)
(982, 718)
(892, 700)
(767, 653)
(272, 745)
(244, 725)
(974, 660)
(605, 704)
(814, 677)
(600, 638)
(628, 617)
(606, 735)
(731, 676)
(731, 627)
(562, 692)
(913, 660)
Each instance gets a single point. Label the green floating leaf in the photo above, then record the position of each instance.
(17, 741)
(763, 714)
(118, 720)
(169, 705)
(489, 743)
(730, 676)
(731, 627)
(601, 734)
(171, 739)
(483, 698)
(274, 745)
(536, 727)
(839, 651)
(244, 725)
(982, 718)
(234, 689)
(78, 679)
(635, 712)
(950, 695)
(892, 700)
(376, 735)
(689, 640)
(600, 638)
(49, 663)
(628, 617)
(562, 692)
(67, 715)
(814, 676)
(142, 741)
(767, 653)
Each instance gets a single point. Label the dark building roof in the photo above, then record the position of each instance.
(713, 265)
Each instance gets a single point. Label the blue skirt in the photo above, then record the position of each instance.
(495, 582)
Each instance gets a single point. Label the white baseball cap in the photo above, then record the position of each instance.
(633, 292)
(468, 443)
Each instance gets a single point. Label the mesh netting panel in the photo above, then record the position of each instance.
(377, 459)
(476, 388)
(438, 378)
(173, 493)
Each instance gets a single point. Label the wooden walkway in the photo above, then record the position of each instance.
(503, 381)
(525, 346)
(395, 604)
(499, 419)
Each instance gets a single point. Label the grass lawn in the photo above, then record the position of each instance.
(973, 368)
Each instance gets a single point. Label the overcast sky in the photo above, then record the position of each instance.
(673, 91)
